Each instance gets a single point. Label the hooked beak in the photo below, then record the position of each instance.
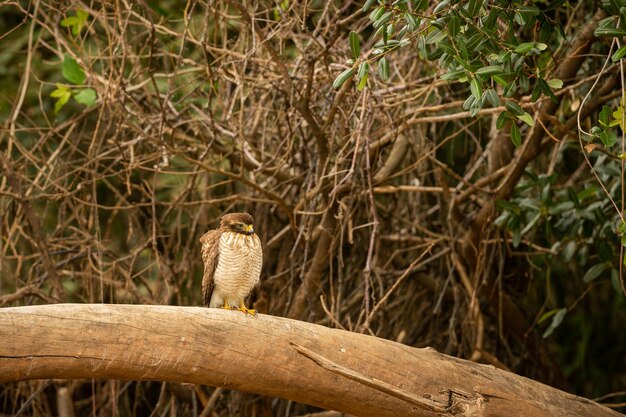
(249, 229)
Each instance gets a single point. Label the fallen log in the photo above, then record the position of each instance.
(267, 355)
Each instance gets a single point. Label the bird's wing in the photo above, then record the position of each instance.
(210, 254)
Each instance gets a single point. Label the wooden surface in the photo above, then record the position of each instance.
(329, 368)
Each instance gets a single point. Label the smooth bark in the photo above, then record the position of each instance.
(329, 368)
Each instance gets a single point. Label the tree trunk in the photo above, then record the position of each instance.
(274, 356)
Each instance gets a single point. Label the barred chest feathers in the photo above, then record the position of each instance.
(238, 266)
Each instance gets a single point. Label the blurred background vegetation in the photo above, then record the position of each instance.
(445, 174)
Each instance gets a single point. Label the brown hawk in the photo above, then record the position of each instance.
(233, 258)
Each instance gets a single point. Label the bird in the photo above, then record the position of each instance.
(233, 258)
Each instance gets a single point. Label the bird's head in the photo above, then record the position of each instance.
(238, 223)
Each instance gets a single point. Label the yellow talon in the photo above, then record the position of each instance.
(244, 309)
(227, 306)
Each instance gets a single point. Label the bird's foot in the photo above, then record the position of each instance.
(246, 310)
(227, 306)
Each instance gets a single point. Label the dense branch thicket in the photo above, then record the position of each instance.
(129, 128)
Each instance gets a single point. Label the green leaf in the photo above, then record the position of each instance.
(58, 105)
(619, 54)
(524, 48)
(607, 27)
(570, 250)
(475, 108)
(382, 20)
(517, 237)
(621, 229)
(362, 82)
(387, 31)
(524, 82)
(382, 31)
(587, 193)
(545, 316)
(502, 119)
(500, 80)
(616, 281)
(435, 36)
(536, 93)
(364, 69)
(62, 93)
(516, 136)
(527, 118)
(355, 44)
(475, 88)
(553, 5)
(492, 97)
(343, 77)
(72, 71)
(555, 83)
(363, 74)
(561, 207)
(410, 19)
(605, 115)
(69, 21)
(502, 219)
(442, 5)
(618, 115)
(557, 319)
(383, 68)
(514, 108)
(509, 89)
(467, 104)
(377, 13)
(367, 5)
(82, 15)
(76, 23)
(507, 205)
(453, 75)
(420, 5)
(446, 47)
(454, 26)
(526, 13)
(545, 88)
(474, 7)
(608, 138)
(530, 204)
(490, 70)
(594, 272)
(86, 96)
(531, 224)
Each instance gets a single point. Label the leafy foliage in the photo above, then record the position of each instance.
(421, 150)
(76, 23)
(73, 73)
(466, 39)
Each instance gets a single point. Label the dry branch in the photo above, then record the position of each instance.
(223, 107)
(335, 369)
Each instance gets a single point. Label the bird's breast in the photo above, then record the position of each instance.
(239, 264)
